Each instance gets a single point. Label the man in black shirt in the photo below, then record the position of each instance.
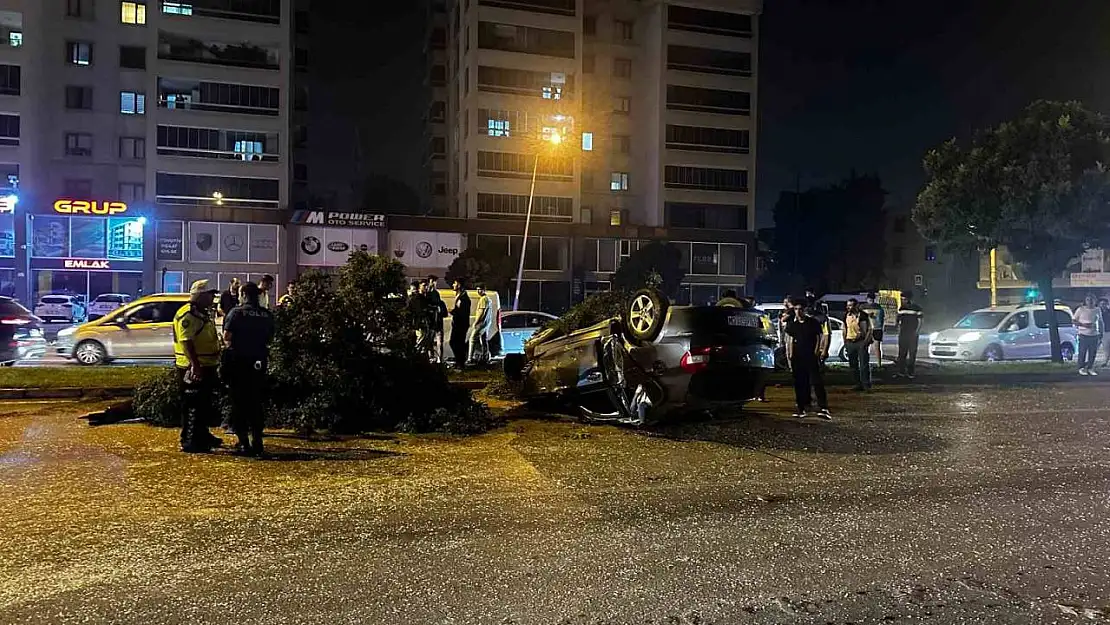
(230, 298)
(805, 350)
(248, 329)
(909, 326)
(460, 323)
(437, 313)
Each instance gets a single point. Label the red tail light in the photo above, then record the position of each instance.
(695, 360)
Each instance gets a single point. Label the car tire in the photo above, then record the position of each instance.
(993, 353)
(843, 355)
(513, 365)
(90, 353)
(1067, 352)
(645, 315)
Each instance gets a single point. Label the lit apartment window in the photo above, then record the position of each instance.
(552, 93)
(132, 103)
(78, 53)
(587, 141)
(133, 13)
(177, 8)
(15, 39)
(614, 217)
(499, 128)
(618, 181)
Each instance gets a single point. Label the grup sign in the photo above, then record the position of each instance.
(86, 207)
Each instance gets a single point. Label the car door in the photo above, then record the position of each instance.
(836, 338)
(512, 332)
(147, 331)
(1019, 338)
(161, 342)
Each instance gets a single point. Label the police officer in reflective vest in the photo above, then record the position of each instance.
(248, 329)
(196, 350)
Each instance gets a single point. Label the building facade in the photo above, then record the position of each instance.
(147, 143)
(655, 105)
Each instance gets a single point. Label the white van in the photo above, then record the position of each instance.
(493, 335)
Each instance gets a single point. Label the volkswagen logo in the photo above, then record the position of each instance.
(424, 249)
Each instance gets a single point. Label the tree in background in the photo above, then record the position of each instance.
(829, 238)
(1037, 185)
(477, 266)
(657, 265)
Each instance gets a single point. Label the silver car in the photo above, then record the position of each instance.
(1004, 333)
(141, 329)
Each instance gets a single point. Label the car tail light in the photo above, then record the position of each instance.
(695, 360)
(14, 321)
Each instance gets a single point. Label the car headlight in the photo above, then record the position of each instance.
(967, 337)
(933, 336)
(66, 331)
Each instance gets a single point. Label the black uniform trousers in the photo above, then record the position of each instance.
(246, 383)
(907, 353)
(200, 405)
(458, 344)
(806, 369)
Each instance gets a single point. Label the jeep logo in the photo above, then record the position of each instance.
(82, 207)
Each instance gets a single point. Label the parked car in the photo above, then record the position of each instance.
(1017, 332)
(652, 360)
(493, 335)
(20, 333)
(59, 307)
(518, 326)
(105, 303)
(836, 335)
(140, 329)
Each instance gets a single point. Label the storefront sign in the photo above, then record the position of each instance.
(331, 247)
(1091, 278)
(83, 207)
(169, 235)
(77, 263)
(1092, 260)
(335, 219)
(426, 249)
(211, 242)
(85, 264)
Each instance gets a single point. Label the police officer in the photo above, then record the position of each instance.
(248, 330)
(196, 351)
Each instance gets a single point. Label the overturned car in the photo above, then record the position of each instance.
(651, 360)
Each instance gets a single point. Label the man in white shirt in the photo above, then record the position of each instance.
(1088, 321)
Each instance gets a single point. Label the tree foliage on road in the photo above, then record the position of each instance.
(656, 264)
(479, 266)
(1037, 185)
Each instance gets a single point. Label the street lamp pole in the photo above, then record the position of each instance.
(524, 242)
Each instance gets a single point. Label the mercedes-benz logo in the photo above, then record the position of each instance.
(233, 242)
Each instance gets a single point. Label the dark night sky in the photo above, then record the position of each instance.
(869, 84)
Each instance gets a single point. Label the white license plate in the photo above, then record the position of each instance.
(744, 321)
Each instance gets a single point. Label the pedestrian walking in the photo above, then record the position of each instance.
(265, 290)
(196, 350)
(437, 314)
(248, 330)
(809, 337)
(460, 322)
(910, 316)
(479, 333)
(857, 339)
(1104, 340)
(230, 298)
(877, 315)
(1088, 322)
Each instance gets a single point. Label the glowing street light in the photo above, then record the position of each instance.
(218, 198)
(552, 136)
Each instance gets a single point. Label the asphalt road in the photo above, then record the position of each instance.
(959, 504)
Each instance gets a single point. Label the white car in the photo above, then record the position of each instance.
(105, 303)
(1004, 333)
(836, 334)
(67, 308)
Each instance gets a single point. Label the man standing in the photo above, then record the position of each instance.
(266, 288)
(230, 298)
(479, 334)
(460, 322)
(1087, 322)
(248, 329)
(437, 313)
(857, 337)
(909, 327)
(804, 351)
(877, 315)
(196, 355)
(1104, 342)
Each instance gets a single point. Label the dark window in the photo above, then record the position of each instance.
(930, 252)
(622, 143)
(78, 53)
(132, 148)
(1040, 318)
(900, 223)
(197, 190)
(263, 11)
(523, 82)
(710, 22)
(301, 22)
(544, 208)
(438, 75)
(712, 216)
(300, 59)
(709, 179)
(681, 98)
(238, 145)
(709, 61)
(556, 7)
(300, 172)
(589, 24)
(9, 132)
(77, 188)
(78, 144)
(9, 79)
(439, 146)
(896, 256)
(219, 97)
(182, 48)
(588, 63)
(438, 112)
(300, 136)
(78, 8)
(699, 139)
(300, 99)
(79, 97)
(624, 30)
(510, 165)
(437, 40)
(526, 39)
(132, 57)
(622, 68)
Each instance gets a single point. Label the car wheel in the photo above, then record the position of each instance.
(513, 364)
(843, 355)
(1067, 352)
(90, 353)
(992, 353)
(646, 314)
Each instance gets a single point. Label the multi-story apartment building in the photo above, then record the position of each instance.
(147, 142)
(655, 103)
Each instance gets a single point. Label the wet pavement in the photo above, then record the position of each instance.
(959, 504)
